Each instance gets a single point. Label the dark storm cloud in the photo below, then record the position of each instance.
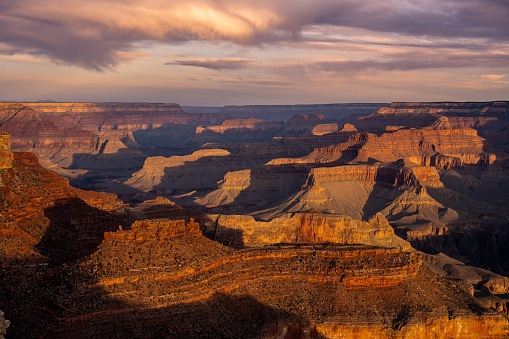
(95, 34)
(215, 64)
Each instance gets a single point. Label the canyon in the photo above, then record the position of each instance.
(144, 220)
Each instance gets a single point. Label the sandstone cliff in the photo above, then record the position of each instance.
(418, 145)
(486, 117)
(243, 230)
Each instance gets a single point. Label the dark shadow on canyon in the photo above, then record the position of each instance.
(56, 298)
(75, 230)
(486, 246)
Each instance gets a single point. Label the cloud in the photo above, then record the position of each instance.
(215, 64)
(493, 76)
(95, 34)
(414, 61)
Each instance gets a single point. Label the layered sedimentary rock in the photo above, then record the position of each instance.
(361, 191)
(377, 174)
(35, 202)
(243, 230)
(162, 278)
(239, 126)
(422, 146)
(238, 130)
(185, 285)
(256, 188)
(202, 168)
(154, 230)
(117, 116)
(86, 139)
(483, 116)
(307, 123)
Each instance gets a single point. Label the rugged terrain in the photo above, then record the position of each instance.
(394, 225)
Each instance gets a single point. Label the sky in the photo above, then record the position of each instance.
(223, 52)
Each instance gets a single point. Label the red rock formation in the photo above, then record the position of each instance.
(418, 145)
(154, 229)
(483, 116)
(325, 129)
(371, 175)
(35, 203)
(243, 230)
(348, 128)
(100, 200)
(187, 286)
(80, 138)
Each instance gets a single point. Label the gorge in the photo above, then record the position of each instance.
(328, 221)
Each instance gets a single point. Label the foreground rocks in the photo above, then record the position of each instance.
(188, 286)
(4, 325)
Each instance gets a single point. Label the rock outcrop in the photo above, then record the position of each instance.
(234, 126)
(201, 169)
(4, 325)
(325, 129)
(5, 150)
(154, 230)
(243, 230)
(191, 287)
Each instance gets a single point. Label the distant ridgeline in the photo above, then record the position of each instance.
(5, 150)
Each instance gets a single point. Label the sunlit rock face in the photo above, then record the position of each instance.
(243, 230)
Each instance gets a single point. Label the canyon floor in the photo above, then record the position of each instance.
(307, 221)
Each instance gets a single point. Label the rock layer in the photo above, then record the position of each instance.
(243, 230)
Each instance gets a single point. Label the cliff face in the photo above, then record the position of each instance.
(39, 208)
(87, 139)
(119, 116)
(238, 230)
(486, 117)
(391, 176)
(179, 172)
(414, 144)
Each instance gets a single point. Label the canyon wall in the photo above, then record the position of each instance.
(243, 230)
(486, 117)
